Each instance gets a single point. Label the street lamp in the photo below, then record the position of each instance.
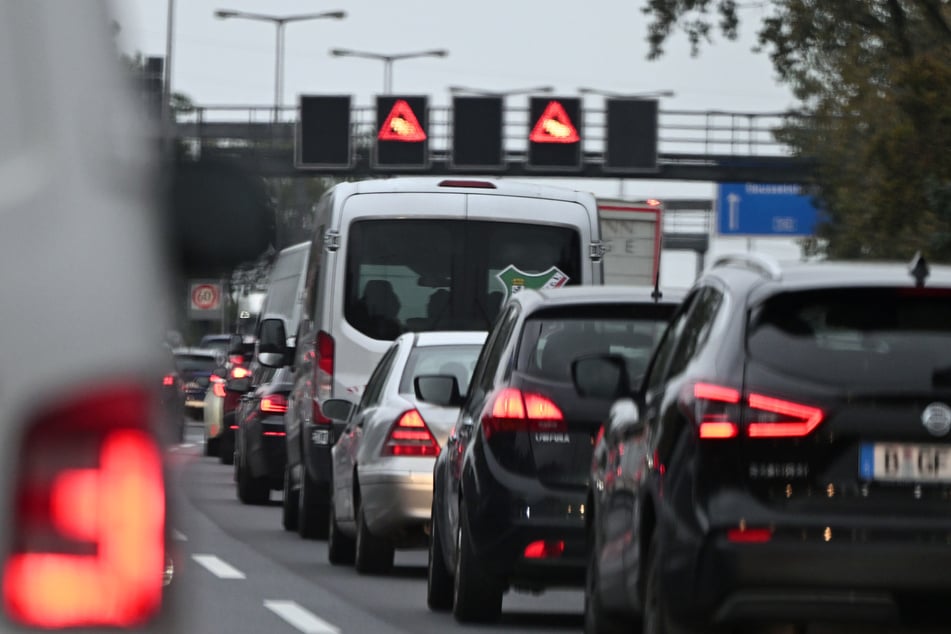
(620, 95)
(387, 60)
(501, 93)
(279, 21)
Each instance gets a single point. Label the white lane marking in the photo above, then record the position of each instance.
(179, 536)
(186, 445)
(218, 567)
(300, 618)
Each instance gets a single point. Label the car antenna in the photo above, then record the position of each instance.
(656, 294)
(919, 269)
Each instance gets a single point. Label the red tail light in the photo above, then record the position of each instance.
(274, 404)
(410, 436)
(236, 359)
(323, 373)
(717, 411)
(88, 544)
(513, 411)
(774, 418)
(218, 386)
(168, 380)
(240, 373)
(749, 535)
(544, 549)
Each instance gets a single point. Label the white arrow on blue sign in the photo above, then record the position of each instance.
(762, 209)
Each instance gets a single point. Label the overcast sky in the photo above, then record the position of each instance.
(492, 44)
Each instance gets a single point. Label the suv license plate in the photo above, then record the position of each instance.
(905, 462)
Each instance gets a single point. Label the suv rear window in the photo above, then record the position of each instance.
(420, 275)
(881, 338)
(552, 339)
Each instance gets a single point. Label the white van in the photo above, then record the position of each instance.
(415, 254)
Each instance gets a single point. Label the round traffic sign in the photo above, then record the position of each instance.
(205, 296)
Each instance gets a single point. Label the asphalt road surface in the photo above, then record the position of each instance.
(239, 572)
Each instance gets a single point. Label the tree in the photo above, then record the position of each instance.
(874, 79)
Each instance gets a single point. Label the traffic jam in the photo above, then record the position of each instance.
(767, 449)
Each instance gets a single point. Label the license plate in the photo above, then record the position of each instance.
(905, 462)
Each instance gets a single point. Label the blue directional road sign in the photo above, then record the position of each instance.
(760, 209)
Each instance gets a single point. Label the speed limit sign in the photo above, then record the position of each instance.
(204, 299)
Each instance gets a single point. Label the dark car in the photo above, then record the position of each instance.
(260, 455)
(173, 398)
(510, 485)
(221, 400)
(788, 458)
(195, 366)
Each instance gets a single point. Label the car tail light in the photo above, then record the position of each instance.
(168, 380)
(274, 404)
(323, 373)
(775, 418)
(410, 436)
(717, 411)
(88, 544)
(459, 182)
(236, 359)
(513, 411)
(240, 373)
(744, 535)
(218, 387)
(544, 549)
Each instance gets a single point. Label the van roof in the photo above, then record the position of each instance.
(492, 187)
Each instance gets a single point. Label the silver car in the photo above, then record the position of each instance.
(383, 461)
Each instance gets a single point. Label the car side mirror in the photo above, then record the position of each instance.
(337, 409)
(624, 419)
(242, 385)
(272, 343)
(601, 376)
(438, 389)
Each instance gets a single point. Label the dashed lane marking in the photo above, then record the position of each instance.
(300, 618)
(179, 536)
(218, 567)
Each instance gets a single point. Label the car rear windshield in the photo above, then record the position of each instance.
(419, 275)
(458, 361)
(195, 363)
(552, 339)
(879, 338)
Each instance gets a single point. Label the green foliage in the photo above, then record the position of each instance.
(874, 81)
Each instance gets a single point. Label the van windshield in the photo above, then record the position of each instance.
(420, 275)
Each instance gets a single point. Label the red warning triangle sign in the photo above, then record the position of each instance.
(401, 125)
(554, 126)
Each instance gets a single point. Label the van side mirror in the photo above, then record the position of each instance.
(601, 376)
(624, 419)
(272, 343)
(438, 389)
(337, 409)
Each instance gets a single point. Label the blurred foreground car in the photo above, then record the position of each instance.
(788, 458)
(260, 454)
(383, 462)
(510, 485)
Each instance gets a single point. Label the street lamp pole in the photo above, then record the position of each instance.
(387, 61)
(166, 112)
(279, 22)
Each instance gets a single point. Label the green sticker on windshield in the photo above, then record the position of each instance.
(515, 280)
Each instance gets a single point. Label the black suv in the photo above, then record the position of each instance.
(510, 484)
(787, 459)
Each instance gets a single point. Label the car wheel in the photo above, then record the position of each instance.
(226, 449)
(597, 620)
(251, 490)
(312, 511)
(340, 549)
(477, 594)
(211, 446)
(438, 579)
(655, 618)
(374, 554)
(289, 504)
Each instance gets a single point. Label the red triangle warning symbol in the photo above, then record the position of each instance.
(401, 125)
(554, 126)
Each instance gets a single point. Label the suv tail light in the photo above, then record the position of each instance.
(236, 359)
(239, 372)
(410, 436)
(513, 411)
(88, 544)
(274, 404)
(168, 380)
(718, 410)
(323, 373)
(218, 386)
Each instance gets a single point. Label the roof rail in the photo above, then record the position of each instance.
(765, 265)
